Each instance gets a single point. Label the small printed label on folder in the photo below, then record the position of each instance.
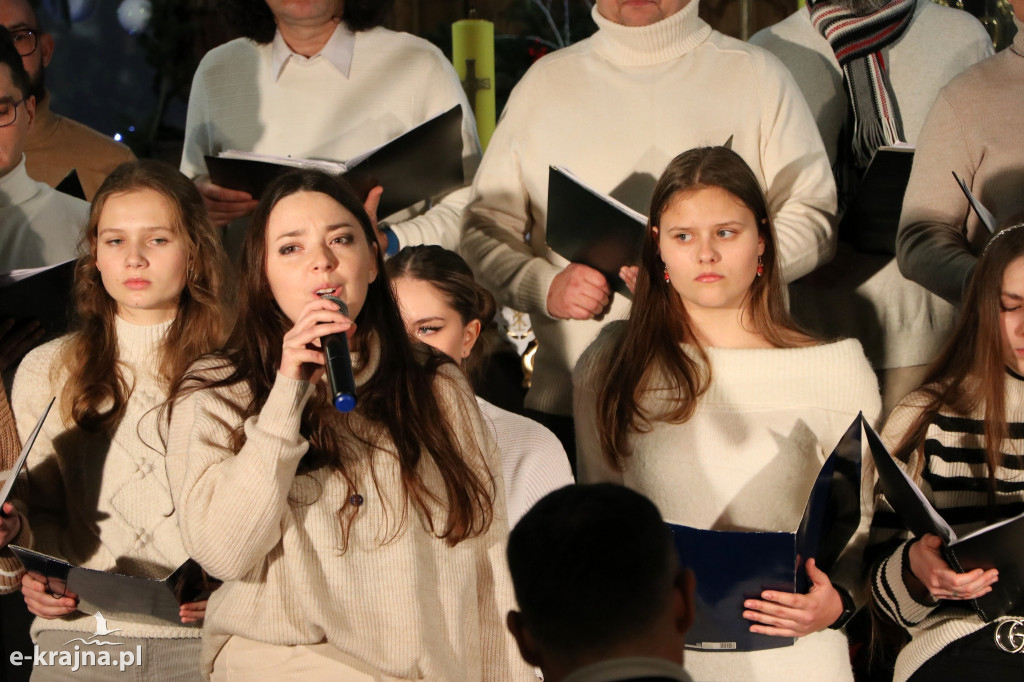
(712, 646)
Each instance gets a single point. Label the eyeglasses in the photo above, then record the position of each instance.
(26, 40)
(9, 112)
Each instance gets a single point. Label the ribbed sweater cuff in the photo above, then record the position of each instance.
(536, 282)
(10, 568)
(909, 610)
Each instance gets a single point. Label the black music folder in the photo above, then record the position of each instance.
(42, 294)
(12, 473)
(873, 215)
(71, 185)
(585, 226)
(732, 566)
(117, 595)
(986, 217)
(998, 545)
(422, 163)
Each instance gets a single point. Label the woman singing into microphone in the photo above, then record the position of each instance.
(360, 545)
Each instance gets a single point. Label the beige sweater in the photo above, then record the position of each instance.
(975, 128)
(97, 501)
(57, 144)
(398, 599)
(745, 460)
(615, 109)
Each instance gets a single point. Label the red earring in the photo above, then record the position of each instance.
(667, 279)
(760, 267)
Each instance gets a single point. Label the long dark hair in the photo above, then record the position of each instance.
(399, 397)
(658, 323)
(96, 392)
(449, 273)
(970, 372)
(253, 19)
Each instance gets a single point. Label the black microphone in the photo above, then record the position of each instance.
(339, 363)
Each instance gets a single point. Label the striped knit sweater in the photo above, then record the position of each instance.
(953, 478)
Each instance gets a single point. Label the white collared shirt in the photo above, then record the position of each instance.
(338, 51)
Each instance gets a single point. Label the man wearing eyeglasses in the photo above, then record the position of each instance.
(56, 144)
(39, 226)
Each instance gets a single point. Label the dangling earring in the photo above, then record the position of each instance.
(667, 278)
(760, 266)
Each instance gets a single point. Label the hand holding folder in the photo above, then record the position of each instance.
(732, 567)
(996, 546)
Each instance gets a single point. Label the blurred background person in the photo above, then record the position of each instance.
(853, 59)
(323, 80)
(975, 129)
(601, 595)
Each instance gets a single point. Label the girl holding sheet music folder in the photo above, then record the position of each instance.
(710, 401)
(961, 437)
(94, 490)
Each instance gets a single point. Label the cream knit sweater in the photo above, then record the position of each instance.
(397, 598)
(533, 461)
(615, 109)
(746, 460)
(100, 502)
(975, 128)
(953, 475)
(396, 82)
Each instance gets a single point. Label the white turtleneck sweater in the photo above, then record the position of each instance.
(39, 226)
(745, 460)
(311, 110)
(97, 501)
(615, 109)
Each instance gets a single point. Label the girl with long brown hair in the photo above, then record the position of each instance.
(358, 545)
(961, 436)
(710, 401)
(147, 301)
(444, 307)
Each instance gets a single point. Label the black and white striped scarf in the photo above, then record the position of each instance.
(857, 42)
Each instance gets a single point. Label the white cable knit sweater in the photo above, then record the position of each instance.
(615, 109)
(100, 502)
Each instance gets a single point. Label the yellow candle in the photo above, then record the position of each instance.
(473, 56)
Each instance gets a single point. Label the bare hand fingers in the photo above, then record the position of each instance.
(216, 192)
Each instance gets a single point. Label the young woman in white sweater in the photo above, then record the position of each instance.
(95, 493)
(444, 307)
(961, 436)
(353, 545)
(711, 402)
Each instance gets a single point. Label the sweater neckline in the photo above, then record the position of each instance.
(17, 187)
(660, 42)
(139, 345)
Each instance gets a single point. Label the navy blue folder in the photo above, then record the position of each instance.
(732, 566)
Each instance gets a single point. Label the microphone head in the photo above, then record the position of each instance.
(342, 306)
